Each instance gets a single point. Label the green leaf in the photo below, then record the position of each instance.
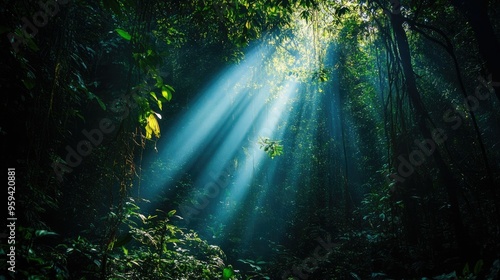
(99, 100)
(159, 81)
(124, 34)
(158, 101)
(166, 92)
(31, 44)
(171, 89)
(478, 267)
(125, 251)
(171, 213)
(28, 83)
(43, 232)
(103, 106)
(227, 273)
(466, 270)
(173, 240)
(272, 147)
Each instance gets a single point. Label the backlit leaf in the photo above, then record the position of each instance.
(227, 273)
(124, 34)
(152, 127)
(44, 233)
(171, 213)
(166, 92)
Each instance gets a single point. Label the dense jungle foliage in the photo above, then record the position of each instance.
(237, 139)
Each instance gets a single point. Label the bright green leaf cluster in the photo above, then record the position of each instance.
(273, 148)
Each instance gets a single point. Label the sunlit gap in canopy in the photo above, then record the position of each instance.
(216, 140)
(286, 178)
(296, 106)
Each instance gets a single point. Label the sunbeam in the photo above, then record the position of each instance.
(218, 116)
(217, 140)
(252, 157)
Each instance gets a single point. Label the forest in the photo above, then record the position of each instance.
(239, 139)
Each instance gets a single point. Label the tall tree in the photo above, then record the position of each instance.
(476, 13)
(464, 242)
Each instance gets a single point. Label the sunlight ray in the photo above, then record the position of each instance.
(201, 130)
(253, 156)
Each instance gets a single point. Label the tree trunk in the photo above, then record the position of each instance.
(347, 194)
(467, 251)
(476, 13)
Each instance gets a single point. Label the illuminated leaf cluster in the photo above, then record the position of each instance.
(273, 148)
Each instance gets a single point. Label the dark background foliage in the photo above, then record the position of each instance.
(386, 76)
